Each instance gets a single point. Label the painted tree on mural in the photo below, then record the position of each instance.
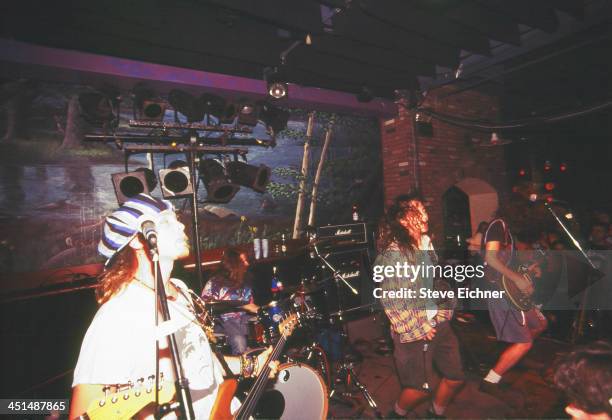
(352, 173)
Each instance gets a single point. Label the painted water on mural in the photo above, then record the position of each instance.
(53, 199)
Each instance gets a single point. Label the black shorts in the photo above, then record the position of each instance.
(415, 366)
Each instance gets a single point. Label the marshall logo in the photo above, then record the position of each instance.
(351, 274)
(354, 233)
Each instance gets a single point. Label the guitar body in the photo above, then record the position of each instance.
(227, 390)
(505, 254)
(516, 297)
(222, 407)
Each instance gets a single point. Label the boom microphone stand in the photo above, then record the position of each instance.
(182, 384)
(578, 327)
(345, 369)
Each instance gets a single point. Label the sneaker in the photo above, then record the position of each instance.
(430, 414)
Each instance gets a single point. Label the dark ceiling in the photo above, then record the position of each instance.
(381, 44)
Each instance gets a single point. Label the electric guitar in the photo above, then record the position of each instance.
(227, 390)
(519, 299)
(128, 400)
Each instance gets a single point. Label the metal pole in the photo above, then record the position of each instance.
(191, 156)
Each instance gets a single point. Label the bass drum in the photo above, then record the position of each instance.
(298, 393)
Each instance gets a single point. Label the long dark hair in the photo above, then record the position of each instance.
(392, 232)
(233, 270)
(585, 376)
(120, 272)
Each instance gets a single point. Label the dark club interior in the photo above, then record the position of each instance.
(306, 209)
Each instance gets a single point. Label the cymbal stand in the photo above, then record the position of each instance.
(345, 370)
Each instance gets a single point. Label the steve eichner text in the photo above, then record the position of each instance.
(426, 293)
(412, 271)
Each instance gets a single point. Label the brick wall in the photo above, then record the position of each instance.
(445, 158)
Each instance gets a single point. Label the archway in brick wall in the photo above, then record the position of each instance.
(483, 200)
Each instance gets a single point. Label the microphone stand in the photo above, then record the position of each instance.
(578, 327)
(182, 384)
(345, 370)
(569, 234)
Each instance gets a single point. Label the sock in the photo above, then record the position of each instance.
(437, 409)
(399, 410)
(493, 377)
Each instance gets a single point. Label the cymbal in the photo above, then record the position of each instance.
(221, 306)
(320, 242)
(304, 288)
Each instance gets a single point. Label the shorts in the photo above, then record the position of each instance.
(512, 325)
(414, 364)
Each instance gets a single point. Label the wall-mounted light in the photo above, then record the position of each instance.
(147, 104)
(219, 188)
(250, 176)
(176, 180)
(130, 184)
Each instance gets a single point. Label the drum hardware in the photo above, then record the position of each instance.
(346, 373)
(218, 307)
(349, 379)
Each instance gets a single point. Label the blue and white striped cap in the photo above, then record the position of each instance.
(125, 222)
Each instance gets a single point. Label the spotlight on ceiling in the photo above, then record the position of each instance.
(96, 108)
(187, 105)
(247, 113)
(277, 85)
(176, 180)
(278, 90)
(219, 188)
(250, 176)
(130, 184)
(274, 117)
(147, 104)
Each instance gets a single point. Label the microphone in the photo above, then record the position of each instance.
(150, 234)
(535, 198)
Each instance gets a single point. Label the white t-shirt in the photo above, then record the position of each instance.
(119, 346)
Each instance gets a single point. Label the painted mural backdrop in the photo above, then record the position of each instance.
(54, 191)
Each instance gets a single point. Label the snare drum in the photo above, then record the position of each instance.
(298, 393)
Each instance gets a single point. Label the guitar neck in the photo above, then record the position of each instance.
(248, 406)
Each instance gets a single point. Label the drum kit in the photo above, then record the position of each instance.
(304, 373)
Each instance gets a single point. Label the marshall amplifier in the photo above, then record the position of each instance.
(350, 234)
(354, 266)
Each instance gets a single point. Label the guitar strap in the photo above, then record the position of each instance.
(508, 239)
(228, 372)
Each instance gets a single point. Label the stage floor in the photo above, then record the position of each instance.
(530, 394)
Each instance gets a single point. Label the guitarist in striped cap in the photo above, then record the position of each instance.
(118, 353)
(513, 326)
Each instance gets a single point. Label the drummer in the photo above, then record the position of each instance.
(233, 282)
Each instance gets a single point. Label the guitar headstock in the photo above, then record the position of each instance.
(128, 400)
(288, 324)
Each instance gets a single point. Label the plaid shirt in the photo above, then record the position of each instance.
(408, 316)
